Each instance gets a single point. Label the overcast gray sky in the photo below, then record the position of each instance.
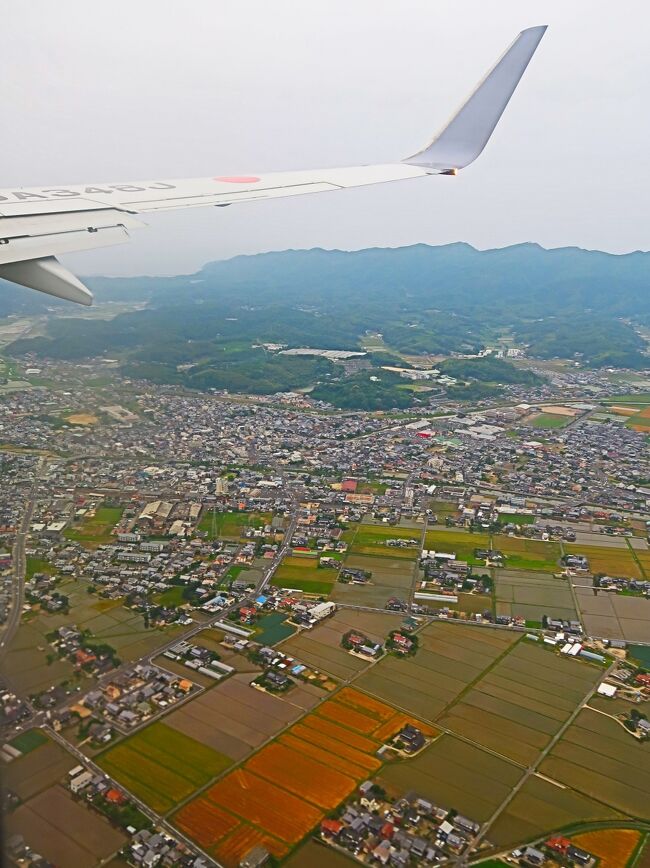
(123, 90)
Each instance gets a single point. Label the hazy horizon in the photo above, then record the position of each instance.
(156, 91)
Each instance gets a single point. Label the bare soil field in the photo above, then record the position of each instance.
(533, 595)
(63, 830)
(321, 649)
(597, 757)
(541, 807)
(37, 770)
(614, 616)
(234, 719)
(450, 657)
(455, 775)
(391, 577)
(519, 726)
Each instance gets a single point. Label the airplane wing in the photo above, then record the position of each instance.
(38, 224)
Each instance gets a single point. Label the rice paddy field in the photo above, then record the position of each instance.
(599, 759)
(613, 847)
(450, 657)
(606, 559)
(370, 539)
(304, 574)
(517, 707)
(391, 577)
(541, 806)
(614, 616)
(289, 785)
(528, 554)
(533, 595)
(460, 542)
(456, 775)
(162, 766)
(320, 647)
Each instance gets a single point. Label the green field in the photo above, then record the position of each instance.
(230, 525)
(551, 420)
(96, 529)
(38, 565)
(460, 542)
(528, 554)
(172, 597)
(515, 518)
(370, 539)
(28, 741)
(162, 766)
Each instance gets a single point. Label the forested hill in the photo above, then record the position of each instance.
(422, 299)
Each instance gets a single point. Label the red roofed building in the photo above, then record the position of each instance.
(82, 657)
(387, 830)
(349, 484)
(330, 828)
(115, 797)
(643, 680)
(559, 844)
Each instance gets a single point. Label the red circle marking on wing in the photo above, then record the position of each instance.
(238, 179)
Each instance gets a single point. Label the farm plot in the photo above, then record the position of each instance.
(320, 648)
(533, 595)
(161, 765)
(614, 847)
(289, 785)
(528, 554)
(304, 574)
(541, 807)
(36, 771)
(234, 719)
(607, 559)
(371, 539)
(391, 577)
(460, 542)
(614, 616)
(64, 831)
(598, 758)
(455, 775)
(519, 705)
(450, 657)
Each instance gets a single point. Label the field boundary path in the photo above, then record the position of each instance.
(532, 769)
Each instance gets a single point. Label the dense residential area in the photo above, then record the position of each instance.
(246, 630)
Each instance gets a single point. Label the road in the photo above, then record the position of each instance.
(19, 563)
(532, 770)
(155, 818)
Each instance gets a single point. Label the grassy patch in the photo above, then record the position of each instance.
(171, 597)
(97, 529)
(550, 420)
(38, 565)
(28, 741)
(306, 585)
(230, 525)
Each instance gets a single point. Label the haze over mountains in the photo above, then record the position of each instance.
(565, 302)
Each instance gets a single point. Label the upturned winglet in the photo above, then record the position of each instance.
(461, 141)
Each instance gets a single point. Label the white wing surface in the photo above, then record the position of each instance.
(37, 224)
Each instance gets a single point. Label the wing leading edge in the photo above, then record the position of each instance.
(37, 224)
